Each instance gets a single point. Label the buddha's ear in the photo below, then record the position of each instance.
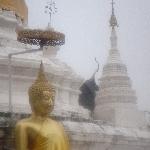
(33, 104)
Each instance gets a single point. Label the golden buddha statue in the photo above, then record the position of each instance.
(39, 132)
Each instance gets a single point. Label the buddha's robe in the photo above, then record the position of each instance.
(32, 134)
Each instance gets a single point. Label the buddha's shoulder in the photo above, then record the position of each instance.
(52, 121)
(23, 122)
(57, 123)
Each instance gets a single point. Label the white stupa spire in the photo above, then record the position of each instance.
(116, 100)
(114, 55)
(113, 21)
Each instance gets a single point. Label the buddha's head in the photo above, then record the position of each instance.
(41, 95)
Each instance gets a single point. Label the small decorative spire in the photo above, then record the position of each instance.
(113, 21)
(41, 75)
(113, 24)
(50, 9)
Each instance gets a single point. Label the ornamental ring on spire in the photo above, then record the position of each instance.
(41, 37)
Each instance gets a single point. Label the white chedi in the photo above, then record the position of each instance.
(24, 69)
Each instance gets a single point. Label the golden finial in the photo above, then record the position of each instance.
(113, 20)
(41, 75)
(41, 85)
(50, 9)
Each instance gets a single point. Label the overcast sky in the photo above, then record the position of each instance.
(86, 26)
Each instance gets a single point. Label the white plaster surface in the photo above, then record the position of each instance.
(117, 124)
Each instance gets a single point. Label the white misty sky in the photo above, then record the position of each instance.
(86, 26)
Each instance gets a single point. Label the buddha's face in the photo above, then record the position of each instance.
(45, 105)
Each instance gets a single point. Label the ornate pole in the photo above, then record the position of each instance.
(50, 9)
(10, 80)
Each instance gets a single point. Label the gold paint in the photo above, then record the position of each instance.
(39, 132)
(18, 6)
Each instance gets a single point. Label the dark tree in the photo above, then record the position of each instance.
(88, 93)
